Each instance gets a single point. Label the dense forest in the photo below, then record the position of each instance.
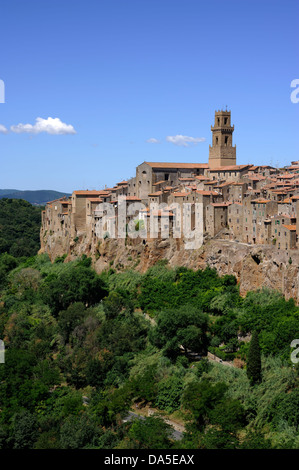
(83, 349)
(19, 227)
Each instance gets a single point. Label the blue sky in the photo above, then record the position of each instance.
(121, 72)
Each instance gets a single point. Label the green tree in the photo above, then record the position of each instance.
(254, 367)
(78, 432)
(77, 284)
(185, 326)
(25, 430)
(201, 398)
(229, 414)
(150, 433)
(70, 318)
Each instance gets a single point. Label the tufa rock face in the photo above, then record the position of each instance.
(254, 266)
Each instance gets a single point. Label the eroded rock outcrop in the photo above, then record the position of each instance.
(254, 266)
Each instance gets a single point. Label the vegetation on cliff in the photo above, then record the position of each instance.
(82, 349)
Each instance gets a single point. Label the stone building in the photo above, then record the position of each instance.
(216, 217)
(149, 173)
(222, 153)
(235, 220)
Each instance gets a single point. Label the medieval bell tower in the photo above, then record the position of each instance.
(222, 153)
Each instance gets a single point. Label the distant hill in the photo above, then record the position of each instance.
(38, 198)
(7, 191)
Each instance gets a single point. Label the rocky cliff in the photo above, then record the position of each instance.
(254, 266)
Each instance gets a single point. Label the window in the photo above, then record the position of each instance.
(226, 140)
(225, 120)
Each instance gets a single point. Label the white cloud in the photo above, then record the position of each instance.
(152, 140)
(184, 140)
(3, 129)
(53, 126)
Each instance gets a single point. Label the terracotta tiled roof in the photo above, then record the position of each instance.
(207, 193)
(177, 165)
(92, 193)
(292, 228)
(131, 198)
(56, 200)
(161, 213)
(178, 194)
(261, 201)
(287, 176)
(230, 168)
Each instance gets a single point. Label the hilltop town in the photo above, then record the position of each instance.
(251, 204)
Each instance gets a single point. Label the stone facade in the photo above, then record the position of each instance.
(222, 152)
